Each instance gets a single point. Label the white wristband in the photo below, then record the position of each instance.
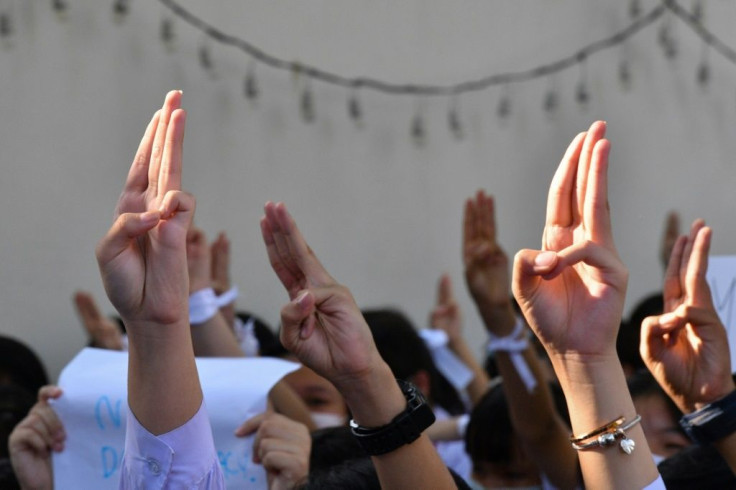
(515, 344)
(202, 305)
(450, 365)
(227, 297)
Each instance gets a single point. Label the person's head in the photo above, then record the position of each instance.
(325, 403)
(629, 333)
(20, 366)
(696, 467)
(499, 459)
(268, 342)
(338, 461)
(659, 416)
(409, 358)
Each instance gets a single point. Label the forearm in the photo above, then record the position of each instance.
(535, 420)
(215, 338)
(597, 394)
(479, 384)
(287, 402)
(375, 403)
(163, 385)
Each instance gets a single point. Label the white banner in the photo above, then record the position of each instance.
(722, 281)
(94, 408)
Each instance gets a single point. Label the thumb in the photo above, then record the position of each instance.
(126, 228)
(250, 426)
(297, 321)
(529, 267)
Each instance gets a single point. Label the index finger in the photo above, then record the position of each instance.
(169, 177)
(672, 288)
(299, 251)
(444, 290)
(560, 198)
(697, 287)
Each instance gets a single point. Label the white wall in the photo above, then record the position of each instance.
(383, 214)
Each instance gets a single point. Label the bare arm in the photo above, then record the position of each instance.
(572, 293)
(531, 408)
(324, 328)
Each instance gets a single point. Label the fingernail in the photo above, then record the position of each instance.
(301, 299)
(667, 319)
(150, 216)
(545, 259)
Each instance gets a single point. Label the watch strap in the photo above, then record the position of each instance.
(712, 422)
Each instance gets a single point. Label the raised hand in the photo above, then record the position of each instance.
(103, 331)
(686, 348)
(34, 439)
(324, 328)
(198, 260)
(321, 324)
(220, 260)
(446, 314)
(669, 237)
(486, 264)
(143, 263)
(282, 446)
(572, 291)
(142, 258)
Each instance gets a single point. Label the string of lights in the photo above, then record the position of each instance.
(315, 73)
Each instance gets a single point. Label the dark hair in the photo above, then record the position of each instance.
(488, 437)
(332, 446)
(642, 383)
(699, 467)
(22, 365)
(406, 354)
(629, 334)
(268, 342)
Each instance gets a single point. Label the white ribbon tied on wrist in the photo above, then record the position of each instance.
(452, 367)
(515, 344)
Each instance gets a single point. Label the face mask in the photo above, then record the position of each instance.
(325, 420)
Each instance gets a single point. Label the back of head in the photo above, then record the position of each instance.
(20, 366)
(696, 467)
(406, 354)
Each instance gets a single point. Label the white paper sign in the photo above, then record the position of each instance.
(722, 281)
(94, 408)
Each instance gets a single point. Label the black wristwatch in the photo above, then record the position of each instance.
(712, 422)
(405, 428)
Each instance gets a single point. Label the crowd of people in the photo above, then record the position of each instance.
(570, 396)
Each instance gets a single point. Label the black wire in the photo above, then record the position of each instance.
(708, 37)
(463, 87)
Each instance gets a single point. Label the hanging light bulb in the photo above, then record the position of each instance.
(634, 9)
(453, 120)
(251, 84)
(703, 75)
(666, 39)
(167, 32)
(6, 25)
(697, 11)
(624, 74)
(418, 131)
(504, 105)
(120, 8)
(59, 6)
(306, 104)
(355, 111)
(550, 101)
(205, 57)
(582, 96)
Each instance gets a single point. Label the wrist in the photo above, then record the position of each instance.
(499, 319)
(374, 398)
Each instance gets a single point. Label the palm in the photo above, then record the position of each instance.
(152, 187)
(574, 300)
(333, 337)
(486, 264)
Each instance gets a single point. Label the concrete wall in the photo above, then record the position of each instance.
(383, 214)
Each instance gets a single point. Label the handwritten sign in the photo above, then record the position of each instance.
(94, 408)
(722, 281)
